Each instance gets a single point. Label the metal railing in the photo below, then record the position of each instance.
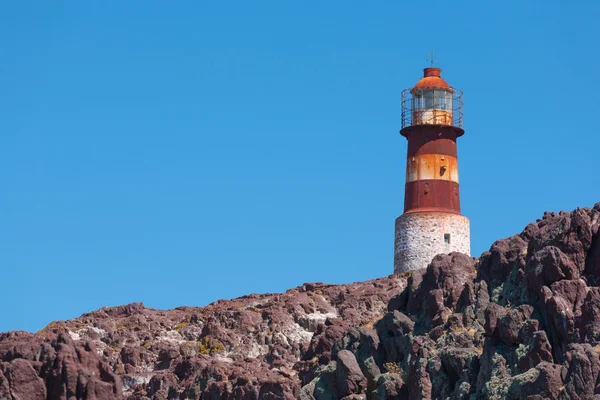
(432, 115)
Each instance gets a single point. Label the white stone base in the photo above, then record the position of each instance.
(421, 236)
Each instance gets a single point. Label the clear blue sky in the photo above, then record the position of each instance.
(177, 153)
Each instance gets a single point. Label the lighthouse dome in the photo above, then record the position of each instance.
(432, 101)
(431, 79)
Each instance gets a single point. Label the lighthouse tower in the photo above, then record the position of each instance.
(432, 120)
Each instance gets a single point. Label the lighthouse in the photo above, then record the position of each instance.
(432, 121)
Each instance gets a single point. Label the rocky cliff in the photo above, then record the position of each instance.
(520, 322)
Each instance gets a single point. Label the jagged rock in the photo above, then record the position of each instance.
(19, 380)
(370, 370)
(419, 381)
(460, 363)
(397, 302)
(493, 314)
(364, 344)
(492, 379)
(161, 384)
(592, 262)
(544, 381)
(397, 323)
(323, 387)
(131, 356)
(549, 265)
(441, 285)
(393, 330)
(496, 264)
(257, 346)
(510, 325)
(520, 322)
(4, 386)
(538, 350)
(583, 368)
(77, 371)
(589, 321)
(389, 387)
(349, 377)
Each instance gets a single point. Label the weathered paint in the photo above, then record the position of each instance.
(432, 166)
(420, 236)
(432, 194)
(431, 79)
(431, 132)
(437, 146)
(431, 117)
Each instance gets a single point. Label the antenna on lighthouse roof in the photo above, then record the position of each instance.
(431, 58)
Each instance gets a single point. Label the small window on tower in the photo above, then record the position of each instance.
(447, 238)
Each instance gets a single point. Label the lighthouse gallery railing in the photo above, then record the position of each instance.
(428, 115)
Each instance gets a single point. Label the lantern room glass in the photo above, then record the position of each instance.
(432, 99)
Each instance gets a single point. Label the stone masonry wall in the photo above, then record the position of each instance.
(420, 236)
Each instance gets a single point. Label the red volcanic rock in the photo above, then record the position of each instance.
(543, 382)
(349, 377)
(539, 350)
(520, 322)
(583, 367)
(4, 386)
(21, 381)
(510, 325)
(256, 346)
(77, 371)
(389, 387)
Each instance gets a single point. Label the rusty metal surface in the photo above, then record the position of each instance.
(432, 167)
(432, 77)
(432, 71)
(426, 139)
(432, 131)
(438, 195)
(439, 146)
